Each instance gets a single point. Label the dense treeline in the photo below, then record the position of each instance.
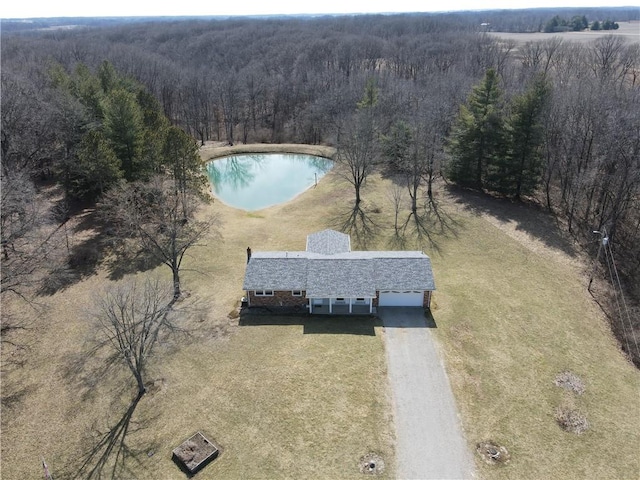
(577, 24)
(538, 19)
(111, 144)
(550, 121)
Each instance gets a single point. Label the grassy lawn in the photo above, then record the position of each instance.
(511, 318)
(291, 397)
(280, 401)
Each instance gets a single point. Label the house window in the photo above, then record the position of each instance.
(340, 299)
(360, 299)
(263, 293)
(296, 293)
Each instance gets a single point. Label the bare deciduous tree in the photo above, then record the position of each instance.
(130, 319)
(161, 218)
(30, 244)
(396, 195)
(358, 152)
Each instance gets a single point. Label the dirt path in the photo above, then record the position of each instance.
(214, 150)
(430, 444)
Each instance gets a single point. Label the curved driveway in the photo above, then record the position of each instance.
(430, 444)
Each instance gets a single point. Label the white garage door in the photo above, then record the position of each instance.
(400, 299)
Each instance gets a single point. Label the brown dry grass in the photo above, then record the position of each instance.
(213, 150)
(511, 313)
(279, 401)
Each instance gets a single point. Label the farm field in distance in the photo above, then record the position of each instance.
(629, 31)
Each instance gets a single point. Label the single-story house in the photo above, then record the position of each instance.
(328, 277)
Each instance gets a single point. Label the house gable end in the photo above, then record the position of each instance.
(328, 242)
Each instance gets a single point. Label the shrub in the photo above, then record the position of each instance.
(571, 420)
(570, 381)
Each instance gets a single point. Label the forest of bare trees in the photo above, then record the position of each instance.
(300, 79)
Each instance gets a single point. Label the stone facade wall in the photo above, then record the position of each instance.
(280, 298)
(426, 302)
(284, 298)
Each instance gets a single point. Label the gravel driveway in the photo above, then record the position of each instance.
(429, 443)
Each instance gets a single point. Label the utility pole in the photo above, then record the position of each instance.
(604, 240)
(47, 475)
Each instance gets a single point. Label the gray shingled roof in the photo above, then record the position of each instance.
(341, 274)
(276, 273)
(328, 242)
(412, 273)
(340, 278)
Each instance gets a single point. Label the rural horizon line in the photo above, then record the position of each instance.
(26, 19)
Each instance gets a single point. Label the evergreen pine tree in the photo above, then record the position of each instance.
(93, 170)
(124, 127)
(477, 135)
(519, 171)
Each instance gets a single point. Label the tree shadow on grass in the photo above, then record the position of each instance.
(13, 396)
(421, 229)
(85, 376)
(90, 245)
(424, 227)
(357, 223)
(106, 453)
(128, 260)
(109, 454)
(82, 244)
(528, 217)
(15, 352)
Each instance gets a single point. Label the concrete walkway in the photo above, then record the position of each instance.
(429, 443)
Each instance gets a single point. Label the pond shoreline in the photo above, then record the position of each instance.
(255, 181)
(214, 150)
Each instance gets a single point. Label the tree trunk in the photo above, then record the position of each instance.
(176, 283)
(479, 164)
(430, 183)
(141, 388)
(396, 220)
(413, 193)
(547, 189)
